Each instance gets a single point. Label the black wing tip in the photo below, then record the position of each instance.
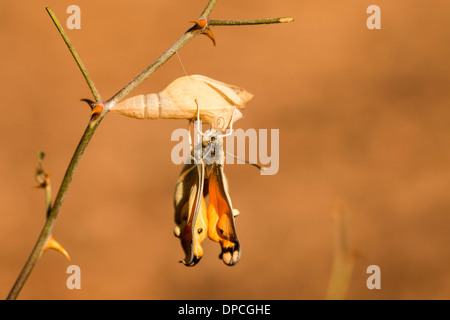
(191, 262)
(231, 255)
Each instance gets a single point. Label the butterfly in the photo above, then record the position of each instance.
(204, 177)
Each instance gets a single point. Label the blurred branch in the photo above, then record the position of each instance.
(43, 180)
(100, 110)
(343, 257)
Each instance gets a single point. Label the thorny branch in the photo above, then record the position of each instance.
(100, 109)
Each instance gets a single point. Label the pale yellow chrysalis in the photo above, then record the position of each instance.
(217, 101)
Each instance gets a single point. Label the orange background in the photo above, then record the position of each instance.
(364, 126)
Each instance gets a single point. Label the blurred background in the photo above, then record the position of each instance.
(363, 117)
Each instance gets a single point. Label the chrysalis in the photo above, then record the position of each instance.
(217, 101)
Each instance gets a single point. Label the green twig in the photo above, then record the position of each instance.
(208, 9)
(80, 64)
(249, 22)
(52, 212)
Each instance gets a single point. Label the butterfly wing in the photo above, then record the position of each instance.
(221, 226)
(190, 212)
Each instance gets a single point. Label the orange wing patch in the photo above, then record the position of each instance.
(221, 221)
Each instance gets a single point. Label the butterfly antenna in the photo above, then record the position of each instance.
(261, 168)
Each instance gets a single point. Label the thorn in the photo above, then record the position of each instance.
(203, 24)
(210, 35)
(96, 110)
(53, 244)
(89, 102)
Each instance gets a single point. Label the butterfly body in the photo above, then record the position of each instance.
(205, 177)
